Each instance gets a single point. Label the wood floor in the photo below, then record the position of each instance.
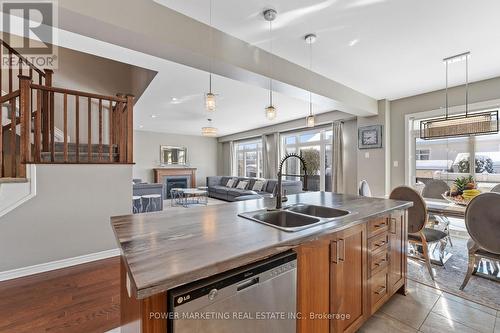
(83, 298)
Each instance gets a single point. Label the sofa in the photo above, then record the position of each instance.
(217, 188)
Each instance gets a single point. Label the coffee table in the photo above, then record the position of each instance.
(189, 196)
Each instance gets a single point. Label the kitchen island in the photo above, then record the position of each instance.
(352, 265)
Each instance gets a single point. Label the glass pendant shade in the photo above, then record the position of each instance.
(461, 125)
(210, 102)
(270, 112)
(468, 124)
(310, 121)
(209, 131)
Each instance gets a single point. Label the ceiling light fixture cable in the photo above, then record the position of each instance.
(270, 15)
(310, 119)
(210, 97)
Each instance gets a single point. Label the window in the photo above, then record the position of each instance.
(249, 158)
(449, 158)
(422, 154)
(315, 147)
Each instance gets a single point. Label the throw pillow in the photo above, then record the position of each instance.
(242, 185)
(230, 183)
(258, 185)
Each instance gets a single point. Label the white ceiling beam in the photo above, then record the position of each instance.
(150, 28)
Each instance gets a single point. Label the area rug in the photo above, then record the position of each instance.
(450, 277)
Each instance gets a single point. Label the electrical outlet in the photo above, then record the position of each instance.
(367, 155)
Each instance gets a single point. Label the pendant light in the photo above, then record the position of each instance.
(210, 97)
(209, 130)
(477, 123)
(310, 119)
(270, 16)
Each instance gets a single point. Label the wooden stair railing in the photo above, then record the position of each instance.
(33, 113)
(109, 126)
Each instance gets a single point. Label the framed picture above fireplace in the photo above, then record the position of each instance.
(171, 155)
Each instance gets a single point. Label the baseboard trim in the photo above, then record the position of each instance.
(58, 264)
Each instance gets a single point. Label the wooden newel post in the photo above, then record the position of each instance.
(130, 128)
(119, 130)
(25, 123)
(45, 119)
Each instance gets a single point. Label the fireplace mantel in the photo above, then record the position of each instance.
(160, 173)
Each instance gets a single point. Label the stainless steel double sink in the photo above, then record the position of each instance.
(297, 217)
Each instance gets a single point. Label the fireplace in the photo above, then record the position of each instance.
(175, 177)
(174, 182)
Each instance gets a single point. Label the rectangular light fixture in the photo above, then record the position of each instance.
(479, 123)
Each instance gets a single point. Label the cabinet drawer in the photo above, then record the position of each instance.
(377, 225)
(378, 289)
(378, 261)
(378, 242)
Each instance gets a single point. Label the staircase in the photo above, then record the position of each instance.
(43, 124)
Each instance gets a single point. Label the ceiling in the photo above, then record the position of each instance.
(240, 106)
(383, 48)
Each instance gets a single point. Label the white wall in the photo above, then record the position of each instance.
(202, 153)
(69, 216)
(372, 162)
(350, 156)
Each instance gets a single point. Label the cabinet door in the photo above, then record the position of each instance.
(348, 280)
(397, 246)
(313, 285)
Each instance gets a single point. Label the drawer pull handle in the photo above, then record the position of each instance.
(379, 244)
(380, 291)
(392, 222)
(380, 262)
(376, 226)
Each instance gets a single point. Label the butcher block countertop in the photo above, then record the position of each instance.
(163, 250)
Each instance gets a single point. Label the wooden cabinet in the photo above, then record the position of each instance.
(348, 275)
(386, 257)
(398, 246)
(313, 285)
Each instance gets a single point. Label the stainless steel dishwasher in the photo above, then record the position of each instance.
(257, 298)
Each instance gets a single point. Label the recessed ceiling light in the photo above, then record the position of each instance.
(154, 116)
(174, 99)
(141, 126)
(353, 42)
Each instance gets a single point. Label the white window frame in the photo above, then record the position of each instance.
(258, 151)
(322, 142)
(411, 134)
(422, 152)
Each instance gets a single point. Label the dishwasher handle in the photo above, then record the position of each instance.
(247, 284)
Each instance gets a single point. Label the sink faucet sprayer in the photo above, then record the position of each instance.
(279, 196)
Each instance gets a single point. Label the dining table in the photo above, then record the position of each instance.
(445, 208)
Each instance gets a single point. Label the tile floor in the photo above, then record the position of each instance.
(430, 310)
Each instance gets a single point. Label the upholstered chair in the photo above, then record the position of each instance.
(482, 220)
(364, 189)
(418, 234)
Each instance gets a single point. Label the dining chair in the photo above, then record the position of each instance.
(364, 189)
(496, 189)
(435, 189)
(482, 223)
(418, 234)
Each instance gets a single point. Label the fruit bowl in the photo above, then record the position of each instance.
(459, 200)
(462, 199)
